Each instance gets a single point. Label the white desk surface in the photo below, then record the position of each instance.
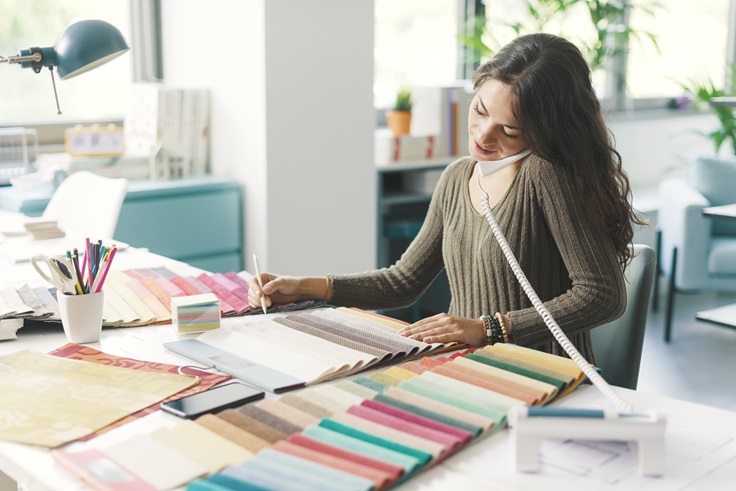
(701, 440)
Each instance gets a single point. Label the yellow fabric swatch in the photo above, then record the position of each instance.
(56, 400)
(386, 379)
(400, 373)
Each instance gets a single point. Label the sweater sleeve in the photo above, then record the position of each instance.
(406, 280)
(597, 293)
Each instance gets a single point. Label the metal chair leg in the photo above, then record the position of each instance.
(670, 298)
(657, 272)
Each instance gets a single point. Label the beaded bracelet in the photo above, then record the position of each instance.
(504, 330)
(487, 330)
(496, 329)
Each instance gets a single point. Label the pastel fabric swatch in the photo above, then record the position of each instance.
(141, 296)
(369, 432)
(379, 478)
(252, 426)
(230, 431)
(393, 471)
(270, 419)
(155, 462)
(278, 408)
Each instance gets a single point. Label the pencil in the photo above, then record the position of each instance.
(108, 263)
(260, 283)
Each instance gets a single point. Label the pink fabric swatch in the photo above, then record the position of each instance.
(451, 442)
(464, 435)
(232, 287)
(237, 279)
(238, 304)
(186, 287)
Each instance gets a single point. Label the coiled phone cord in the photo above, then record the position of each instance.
(552, 325)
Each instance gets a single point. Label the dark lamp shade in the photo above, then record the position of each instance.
(85, 45)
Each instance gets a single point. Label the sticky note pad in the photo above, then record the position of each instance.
(195, 313)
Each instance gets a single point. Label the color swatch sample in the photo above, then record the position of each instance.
(371, 432)
(195, 313)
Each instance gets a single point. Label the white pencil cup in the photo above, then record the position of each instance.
(81, 316)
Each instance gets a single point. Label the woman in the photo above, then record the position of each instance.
(563, 209)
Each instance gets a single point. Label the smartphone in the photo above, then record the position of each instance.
(221, 397)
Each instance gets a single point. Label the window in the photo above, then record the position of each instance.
(27, 97)
(415, 44)
(692, 38)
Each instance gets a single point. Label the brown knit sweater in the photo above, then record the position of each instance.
(570, 263)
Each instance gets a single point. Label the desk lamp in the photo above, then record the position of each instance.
(82, 46)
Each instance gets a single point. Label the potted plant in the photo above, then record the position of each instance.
(399, 119)
(713, 175)
(705, 95)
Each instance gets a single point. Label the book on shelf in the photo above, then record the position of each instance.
(442, 111)
(170, 127)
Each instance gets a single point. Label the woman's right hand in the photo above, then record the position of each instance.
(276, 290)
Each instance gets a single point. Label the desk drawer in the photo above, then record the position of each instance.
(182, 227)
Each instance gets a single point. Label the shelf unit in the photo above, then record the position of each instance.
(401, 212)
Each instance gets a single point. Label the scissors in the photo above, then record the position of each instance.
(58, 273)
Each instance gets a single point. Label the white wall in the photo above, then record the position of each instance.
(654, 147)
(292, 120)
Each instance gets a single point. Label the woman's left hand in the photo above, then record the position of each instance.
(444, 328)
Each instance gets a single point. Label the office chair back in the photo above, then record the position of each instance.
(87, 205)
(618, 344)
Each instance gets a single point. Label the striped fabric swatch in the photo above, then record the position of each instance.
(371, 432)
(142, 297)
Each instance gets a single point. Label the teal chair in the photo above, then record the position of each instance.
(618, 344)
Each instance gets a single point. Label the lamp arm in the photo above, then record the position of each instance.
(35, 57)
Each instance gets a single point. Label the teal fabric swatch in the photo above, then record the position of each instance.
(501, 402)
(370, 383)
(560, 384)
(202, 485)
(298, 474)
(338, 478)
(260, 477)
(333, 425)
(233, 483)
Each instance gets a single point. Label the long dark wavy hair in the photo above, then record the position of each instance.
(560, 118)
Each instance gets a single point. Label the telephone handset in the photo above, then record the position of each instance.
(488, 167)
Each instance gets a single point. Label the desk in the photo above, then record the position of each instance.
(723, 316)
(701, 441)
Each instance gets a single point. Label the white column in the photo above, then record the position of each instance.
(292, 120)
